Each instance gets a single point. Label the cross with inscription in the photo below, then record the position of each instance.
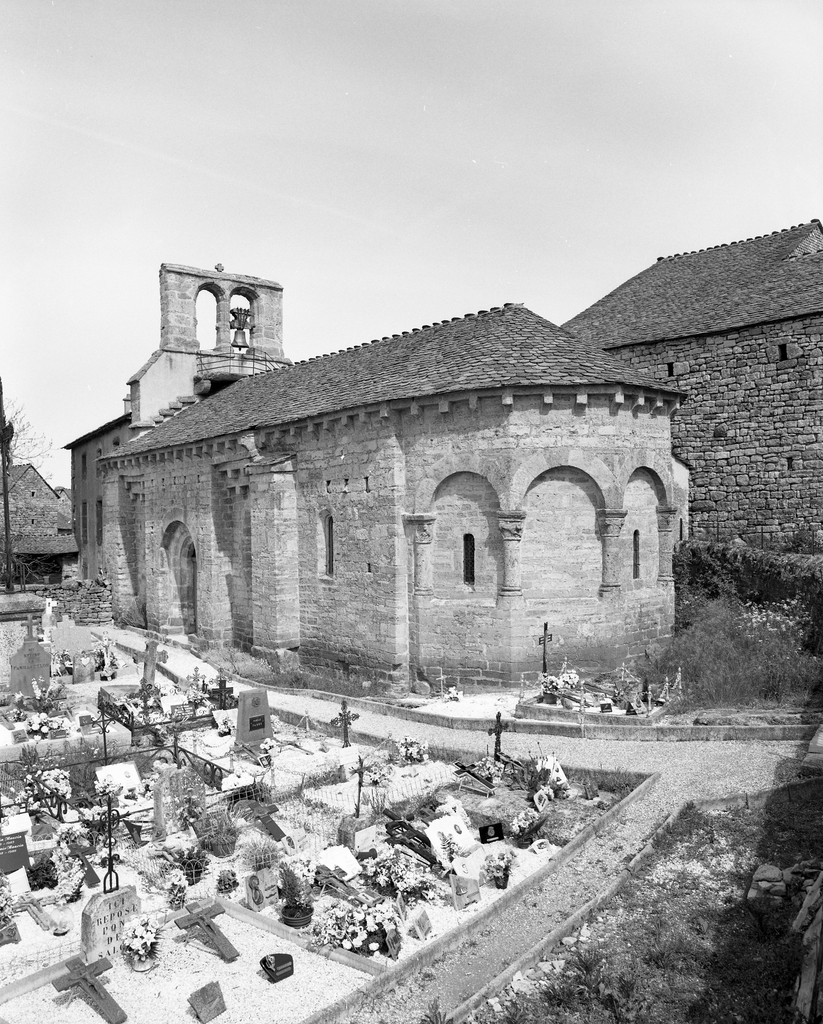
(84, 977)
(223, 694)
(544, 641)
(201, 921)
(498, 729)
(345, 719)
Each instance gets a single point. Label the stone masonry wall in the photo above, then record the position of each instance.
(88, 602)
(752, 426)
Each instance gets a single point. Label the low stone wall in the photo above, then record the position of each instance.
(87, 602)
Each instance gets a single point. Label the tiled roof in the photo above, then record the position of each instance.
(771, 277)
(56, 544)
(506, 346)
(116, 422)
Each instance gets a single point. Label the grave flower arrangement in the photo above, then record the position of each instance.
(46, 698)
(176, 889)
(359, 929)
(568, 679)
(498, 865)
(379, 772)
(522, 822)
(107, 788)
(413, 751)
(70, 874)
(390, 872)
(39, 724)
(56, 780)
(140, 939)
(490, 768)
(105, 659)
(71, 833)
(6, 902)
(223, 724)
(268, 746)
(227, 880)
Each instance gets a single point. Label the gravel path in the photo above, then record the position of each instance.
(687, 771)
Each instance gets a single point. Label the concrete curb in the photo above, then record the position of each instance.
(434, 950)
(534, 955)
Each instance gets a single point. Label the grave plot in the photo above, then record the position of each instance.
(342, 850)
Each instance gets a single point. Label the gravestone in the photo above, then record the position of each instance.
(491, 833)
(170, 791)
(14, 853)
(32, 661)
(83, 668)
(261, 889)
(422, 925)
(103, 920)
(253, 717)
(208, 1002)
(464, 891)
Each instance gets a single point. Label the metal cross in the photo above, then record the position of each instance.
(498, 729)
(85, 977)
(345, 719)
(201, 920)
(544, 642)
(222, 694)
(110, 818)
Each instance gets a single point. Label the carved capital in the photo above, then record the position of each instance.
(511, 524)
(423, 524)
(611, 521)
(666, 516)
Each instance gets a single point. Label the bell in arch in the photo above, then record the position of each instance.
(240, 319)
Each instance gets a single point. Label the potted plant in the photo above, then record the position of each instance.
(139, 942)
(193, 861)
(498, 866)
(298, 902)
(226, 881)
(222, 830)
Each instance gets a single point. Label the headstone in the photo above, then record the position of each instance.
(464, 891)
(85, 978)
(32, 661)
(472, 866)
(400, 905)
(278, 966)
(170, 791)
(83, 668)
(261, 889)
(393, 942)
(421, 923)
(103, 919)
(14, 853)
(19, 734)
(172, 702)
(253, 717)
(19, 882)
(491, 833)
(208, 1002)
(16, 823)
(365, 839)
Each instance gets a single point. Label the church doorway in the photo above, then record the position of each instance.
(180, 612)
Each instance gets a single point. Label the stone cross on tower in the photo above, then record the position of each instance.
(345, 719)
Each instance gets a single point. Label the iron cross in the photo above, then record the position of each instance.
(201, 921)
(85, 977)
(345, 719)
(498, 729)
(222, 693)
(544, 642)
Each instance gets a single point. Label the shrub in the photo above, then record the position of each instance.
(42, 873)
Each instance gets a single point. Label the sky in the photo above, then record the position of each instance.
(389, 162)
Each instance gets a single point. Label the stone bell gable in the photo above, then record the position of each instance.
(738, 328)
(411, 508)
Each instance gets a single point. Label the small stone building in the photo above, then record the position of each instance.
(42, 537)
(738, 328)
(410, 509)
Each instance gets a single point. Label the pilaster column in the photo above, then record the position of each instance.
(511, 529)
(610, 521)
(666, 516)
(423, 524)
(223, 339)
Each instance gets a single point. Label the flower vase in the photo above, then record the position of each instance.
(297, 918)
(502, 881)
(142, 965)
(62, 917)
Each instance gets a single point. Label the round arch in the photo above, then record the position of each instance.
(450, 465)
(656, 465)
(566, 458)
(180, 599)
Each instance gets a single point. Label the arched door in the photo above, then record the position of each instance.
(180, 612)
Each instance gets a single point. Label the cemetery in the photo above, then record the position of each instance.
(181, 832)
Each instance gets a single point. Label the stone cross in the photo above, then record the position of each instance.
(150, 657)
(201, 920)
(345, 719)
(498, 729)
(85, 978)
(222, 693)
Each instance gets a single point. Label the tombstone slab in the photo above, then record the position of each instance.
(208, 1002)
(261, 889)
(82, 668)
(253, 717)
(32, 661)
(103, 920)
(170, 792)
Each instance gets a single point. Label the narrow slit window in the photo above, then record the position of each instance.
(98, 520)
(368, 487)
(468, 559)
(789, 463)
(636, 555)
(681, 529)
(670, 368)
(782, 351)
(328, 531)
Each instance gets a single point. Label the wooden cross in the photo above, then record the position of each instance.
(201, 920)
(359, 770)
(35, 909)
(84, 978)
(91, 878)
(544, 642)
(345, 719)
(222, 694)
(498, 729)
(150, 657)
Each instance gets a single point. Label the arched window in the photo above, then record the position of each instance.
(468, 559)
(636, 555)
(328, 534)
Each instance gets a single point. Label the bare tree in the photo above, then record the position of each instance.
(27, 444)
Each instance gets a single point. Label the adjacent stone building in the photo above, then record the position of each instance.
(738, 328)
(43, 544)
(412, 507)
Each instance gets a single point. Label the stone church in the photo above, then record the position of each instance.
(414, 508)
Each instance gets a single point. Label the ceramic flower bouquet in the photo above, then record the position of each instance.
(140, 939)
(359, 929)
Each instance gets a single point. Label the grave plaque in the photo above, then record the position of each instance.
(261, 889)
(393, 942)
(208, 1002)
(472, 866)
(365, 839)
(14, 853)
(103, 920)
(421, 923)
(19, 734)
(491, 833)
(464, 891)
(19, 882)
(253, 717)
(32, 661)
(170, 791)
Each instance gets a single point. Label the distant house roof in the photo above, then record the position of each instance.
(118, 421)
(22, 469)
(57, 544)
(771, 277)
(63, 522)
(507, 346)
